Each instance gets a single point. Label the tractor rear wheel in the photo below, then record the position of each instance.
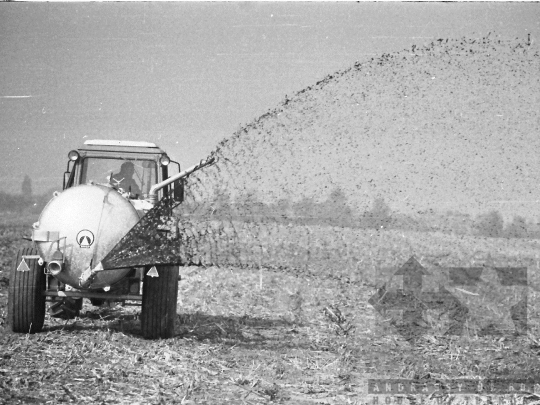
(66, 308)
(97, 302)
(26, 303)
(160, 295)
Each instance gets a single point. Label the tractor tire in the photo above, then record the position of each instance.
(67, 308)
(26, 302)
(97, 302)
(160, 295)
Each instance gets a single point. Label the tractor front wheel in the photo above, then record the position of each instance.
(26, 303)
(160, 295)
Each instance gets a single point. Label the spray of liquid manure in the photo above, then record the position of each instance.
(332, 182)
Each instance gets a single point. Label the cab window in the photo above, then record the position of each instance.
(133, 176)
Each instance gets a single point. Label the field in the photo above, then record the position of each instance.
(283, 335)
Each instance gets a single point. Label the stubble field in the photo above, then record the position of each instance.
(286, 317)
(261, 335)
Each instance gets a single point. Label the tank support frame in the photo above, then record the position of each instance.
(84, 294)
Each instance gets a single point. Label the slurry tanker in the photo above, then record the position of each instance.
(109, 236)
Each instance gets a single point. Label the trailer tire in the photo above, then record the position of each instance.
(160, 295)
(26, 302)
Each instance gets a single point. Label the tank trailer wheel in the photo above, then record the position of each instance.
(67, 308)
(26, 303)
(160, 295)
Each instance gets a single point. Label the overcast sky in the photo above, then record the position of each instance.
(186, 75)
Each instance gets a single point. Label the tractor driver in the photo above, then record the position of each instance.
(124, 179)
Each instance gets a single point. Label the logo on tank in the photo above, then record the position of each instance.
(85, 238)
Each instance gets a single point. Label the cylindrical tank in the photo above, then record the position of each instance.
(90, 221)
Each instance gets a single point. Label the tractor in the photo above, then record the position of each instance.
(109, 187)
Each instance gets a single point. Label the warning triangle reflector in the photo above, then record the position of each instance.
(153, 272)
(23, 266)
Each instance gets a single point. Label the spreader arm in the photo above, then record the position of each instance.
(152, 195)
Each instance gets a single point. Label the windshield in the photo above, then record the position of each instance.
(135, 176)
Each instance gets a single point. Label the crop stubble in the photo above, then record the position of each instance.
(277, 312)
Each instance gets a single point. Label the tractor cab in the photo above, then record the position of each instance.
(130, 167)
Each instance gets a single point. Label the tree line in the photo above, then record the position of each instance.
(336, 211)
(24, 201)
